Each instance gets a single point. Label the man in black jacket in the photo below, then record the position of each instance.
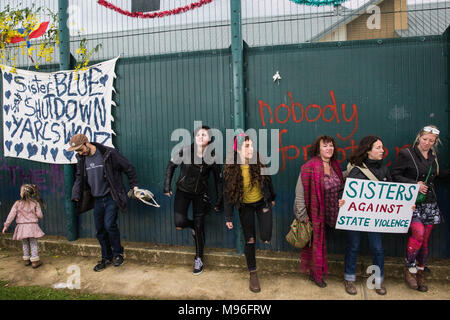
(99, 173)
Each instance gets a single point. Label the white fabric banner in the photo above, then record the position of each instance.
(42, 111)
(377, 206)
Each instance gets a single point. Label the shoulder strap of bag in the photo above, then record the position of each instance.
(429, 171)
(415, 164)
(367, 172)
(347, 171)
(349, 167)
(437, 163)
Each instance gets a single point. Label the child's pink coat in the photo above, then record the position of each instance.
(26, 215)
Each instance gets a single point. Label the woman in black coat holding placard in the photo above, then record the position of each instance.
(366, 163)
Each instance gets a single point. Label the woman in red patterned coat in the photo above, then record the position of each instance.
(317, 201)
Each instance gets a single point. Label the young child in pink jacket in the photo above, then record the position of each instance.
(27, 211)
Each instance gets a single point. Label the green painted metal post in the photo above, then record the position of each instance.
(237, 53)
(64, 64)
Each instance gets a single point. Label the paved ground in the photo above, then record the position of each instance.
(175, 282)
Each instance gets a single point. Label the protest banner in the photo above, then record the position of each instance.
(41, 111)
(377, 206)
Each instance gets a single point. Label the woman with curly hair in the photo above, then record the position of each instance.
(317, 200)
(252, 193)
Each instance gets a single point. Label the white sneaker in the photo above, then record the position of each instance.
(198, 266)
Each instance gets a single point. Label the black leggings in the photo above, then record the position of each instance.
(247, 217)
(181, 207)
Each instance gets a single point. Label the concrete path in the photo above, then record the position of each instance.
(173, 282)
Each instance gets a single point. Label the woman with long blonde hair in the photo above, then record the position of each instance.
(419, 164)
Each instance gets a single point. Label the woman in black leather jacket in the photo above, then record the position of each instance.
(192, 186)
(413, 165)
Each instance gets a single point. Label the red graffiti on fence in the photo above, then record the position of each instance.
(313, 113)
(343, 153)
(305, 114)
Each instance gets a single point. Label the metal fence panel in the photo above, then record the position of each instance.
(156, 96)
(390, 88)
(174, 70)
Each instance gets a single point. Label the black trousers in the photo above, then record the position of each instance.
(181, 207)
(247, 212)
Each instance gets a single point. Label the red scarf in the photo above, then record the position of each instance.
(314, 257)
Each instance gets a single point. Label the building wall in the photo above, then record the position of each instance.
(358, 29)
(337, 35)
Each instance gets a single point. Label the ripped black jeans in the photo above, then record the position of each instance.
(247, 213)
(181, 207)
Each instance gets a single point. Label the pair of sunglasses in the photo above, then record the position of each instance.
(431, 130)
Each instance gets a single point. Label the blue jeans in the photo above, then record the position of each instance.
(105, 217)
(351, 253)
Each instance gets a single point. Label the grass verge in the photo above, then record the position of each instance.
(11, 292)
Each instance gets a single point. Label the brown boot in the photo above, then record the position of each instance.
(320, 284)
(254, 282)
(27, 263)
(36, 264)
(410, 279)
(421, 283)
(350, 287)
(382, 290)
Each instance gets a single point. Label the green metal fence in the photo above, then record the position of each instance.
(178, 69)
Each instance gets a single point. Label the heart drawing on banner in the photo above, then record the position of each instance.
(18, 147)
(8, 124)
(7, 94)
(44, 151)
(7, 107)
(8, 144)
(32, 150)
(68, 154)
(104, 79)
(54, 152)
(8, 77)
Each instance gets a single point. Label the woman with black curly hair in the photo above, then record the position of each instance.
(252, 193)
